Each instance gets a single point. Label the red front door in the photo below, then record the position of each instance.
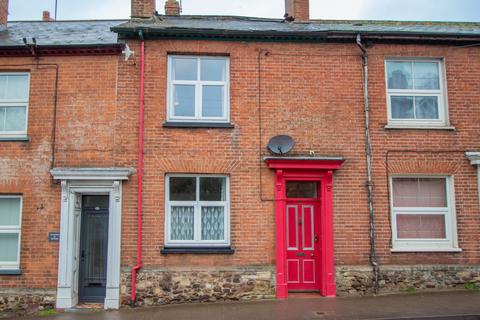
(303, 256)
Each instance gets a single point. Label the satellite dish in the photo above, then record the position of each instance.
(281, 144)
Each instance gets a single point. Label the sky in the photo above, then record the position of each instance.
(432, 10)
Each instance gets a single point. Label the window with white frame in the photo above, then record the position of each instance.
(10, 224)
(14, 93)
(198, 89)
(415, 92)
(197, 210)
(423, 215)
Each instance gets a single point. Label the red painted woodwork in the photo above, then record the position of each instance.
(303, 246)
(320, 170)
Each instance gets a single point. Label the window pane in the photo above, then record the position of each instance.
(9, 211)
(183, 100)
(17, 88)
(15, 119)
(213, 69)
(421, 226)
(182, 189)
(213, 223)
(212, 101)
(419, 192)
(96, 201)
(3, 86)
(181, 223)
(2, 118)
(212, 189)
(426, 75)
(296, 189)
(426, 107)
(399, 75)
(184, 69)
(402, 107)
(8, 247)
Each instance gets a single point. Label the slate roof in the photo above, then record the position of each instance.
(231, 25)
(60, 33)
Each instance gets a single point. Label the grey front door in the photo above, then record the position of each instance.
(93, 248)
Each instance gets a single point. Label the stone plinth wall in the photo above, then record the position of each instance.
(358, 280)
(166, 286)
(19, 300)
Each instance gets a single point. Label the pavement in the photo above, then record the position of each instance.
(450, 305)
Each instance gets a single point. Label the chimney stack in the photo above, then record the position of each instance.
(172, 8)
(298, 9)
(142, 8)
(3, 13)
(46, 16)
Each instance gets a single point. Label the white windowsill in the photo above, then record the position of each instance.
(426, 249)
(419, 127)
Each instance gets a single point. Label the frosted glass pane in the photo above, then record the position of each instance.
(421, 226)
(212, 101)
(3, 86)
(213, 223)
(426, 107)
(181, 223)
(402, 107)
(426, 75)
(184, 100)
(183, 188)
(2, 118)
(184, 69)
(419, 192)
(8, 247)
(17, 88)
(9, 211)
(15, 119)
(213, 69)
(212, 189)
(399, 75)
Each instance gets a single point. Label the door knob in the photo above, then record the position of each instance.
(312, 255)
(316, 238)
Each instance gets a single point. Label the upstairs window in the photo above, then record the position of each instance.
(415, 93)
(198, 89)
(423, 216)
(197, 210)
(14, 92)
(10, 221)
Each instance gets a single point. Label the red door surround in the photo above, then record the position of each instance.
(320, 170)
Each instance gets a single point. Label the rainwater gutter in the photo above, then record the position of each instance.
(368, 153)
(137, 267)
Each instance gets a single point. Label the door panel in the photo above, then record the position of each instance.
(302, 245)
(93, 249)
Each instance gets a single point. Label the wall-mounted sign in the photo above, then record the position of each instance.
(54, 236)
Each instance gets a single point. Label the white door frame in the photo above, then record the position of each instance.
(76, 182)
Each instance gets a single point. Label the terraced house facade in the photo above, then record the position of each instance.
(135, 168)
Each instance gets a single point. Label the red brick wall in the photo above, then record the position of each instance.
(312, 92)
(87, 119)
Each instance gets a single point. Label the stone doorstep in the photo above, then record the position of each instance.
(85, 307)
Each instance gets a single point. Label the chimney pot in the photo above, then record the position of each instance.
(3, 13)
(298, 9)
(172, 8)
(46, 16)
(143, 8)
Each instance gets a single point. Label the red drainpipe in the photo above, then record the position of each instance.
(139, 171)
